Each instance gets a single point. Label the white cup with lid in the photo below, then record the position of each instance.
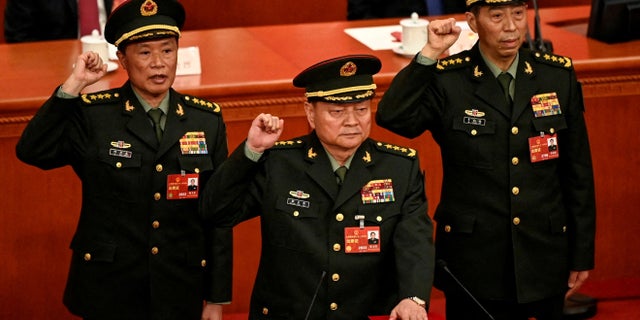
(96, 42)
(414, 34)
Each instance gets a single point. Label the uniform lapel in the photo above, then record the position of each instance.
(139, 123)
(358, 175)
(526, 85)
(320, 170)
(174, 128)
(488, 89)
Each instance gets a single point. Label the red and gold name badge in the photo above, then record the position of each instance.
(361, 239)
(182, 186)
(544, 147)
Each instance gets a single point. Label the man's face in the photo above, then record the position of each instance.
(501, 29)
(340, 127)
(151, 66)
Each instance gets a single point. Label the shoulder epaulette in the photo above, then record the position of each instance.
(454, 62)
(288, 144)
(552, 59)
(397, 150)
(201, 104)
(101, 97)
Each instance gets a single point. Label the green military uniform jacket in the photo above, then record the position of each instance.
(303, 215)
(136, 254)
(508, 228)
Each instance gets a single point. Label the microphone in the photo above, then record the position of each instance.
(315, 294)
(539, 42)
(442, 264)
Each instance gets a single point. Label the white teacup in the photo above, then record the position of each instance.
(414, 34)
(96, 42)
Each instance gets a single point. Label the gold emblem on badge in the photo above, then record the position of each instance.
(474, 113)
(348, 69)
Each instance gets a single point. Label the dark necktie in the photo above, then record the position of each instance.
(155, 115)
(340, 173)
(88, 16)
(505, 80)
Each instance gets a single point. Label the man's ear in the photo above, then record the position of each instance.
(308, 109)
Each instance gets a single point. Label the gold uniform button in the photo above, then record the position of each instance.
(296, 213)
(155, 224)
(515, 191)
(333, 306)
(447, 228)
(339, 217)
(157, 196)
(154, 251)
(265, 311)
(336, 247)
(516, 221)
(379, 218)
(87, 257)
(474, 132)
(515, 161)
(203, 263)
(515, 130)
(564, 229)
(159, 168)
(118, 165)
(335, 277)
(552, 130)
(196, 170)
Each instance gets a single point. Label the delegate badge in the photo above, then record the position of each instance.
(182, 186)
(377, 191)
(543, 147)
(362, 239)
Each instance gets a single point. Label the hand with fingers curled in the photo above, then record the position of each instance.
(442, 35)
(264, 132)
(88, 69)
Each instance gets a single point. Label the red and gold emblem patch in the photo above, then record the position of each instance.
(148, 8)
(348, 69)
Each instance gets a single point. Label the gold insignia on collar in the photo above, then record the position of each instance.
(311, 154)
(367, 157)
(180, 111)
(476, 72)
(528, 69)
(128, 107)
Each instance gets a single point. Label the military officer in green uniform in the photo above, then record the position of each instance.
(316, 262)
(516, 219)
(141, 250)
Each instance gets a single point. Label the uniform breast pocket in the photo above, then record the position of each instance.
(294, 224)
(196, 163)
(550, 124)
(471, 142)
(117, 173)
